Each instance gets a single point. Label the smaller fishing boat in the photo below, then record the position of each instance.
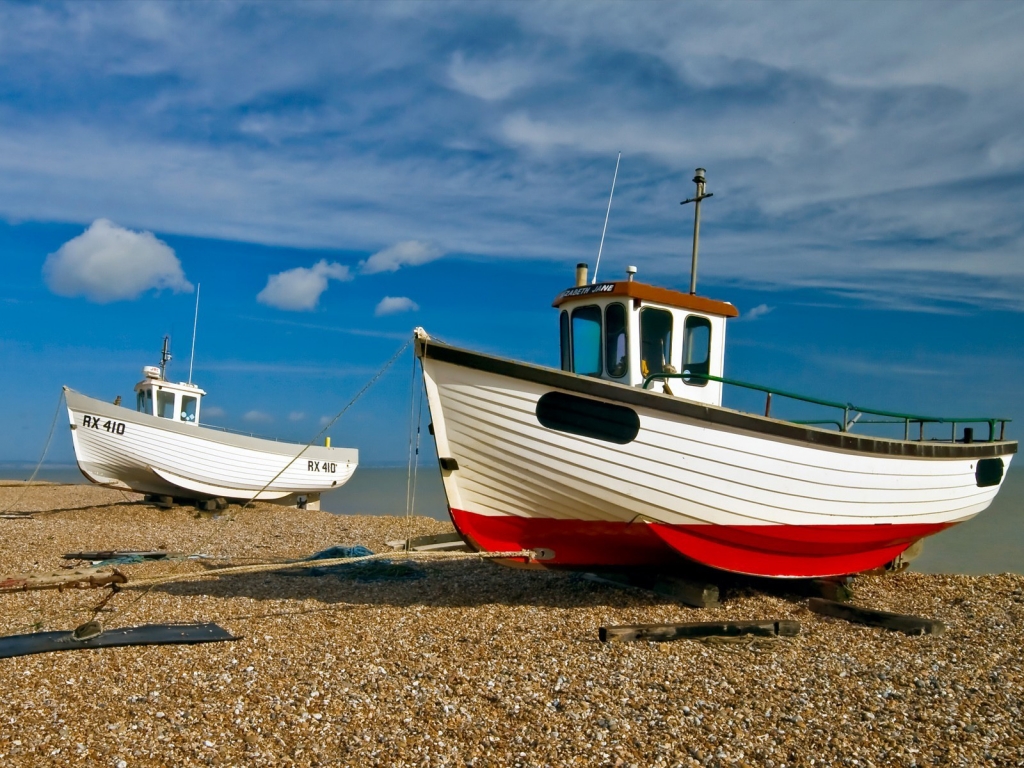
(161, 448)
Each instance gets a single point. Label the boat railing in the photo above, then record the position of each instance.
(848, 409)
(241, 432)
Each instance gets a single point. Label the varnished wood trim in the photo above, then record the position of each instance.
(646, 292)
(709, 414)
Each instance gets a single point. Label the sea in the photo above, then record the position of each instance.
(993, 542)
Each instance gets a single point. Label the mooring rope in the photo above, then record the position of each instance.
(267, 567)
(49, 438)
(330, 424)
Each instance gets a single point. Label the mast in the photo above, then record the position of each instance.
(195, 322)
(698, 179)
(165, 357)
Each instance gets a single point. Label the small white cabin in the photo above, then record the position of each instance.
(624, 331)
(178, 402)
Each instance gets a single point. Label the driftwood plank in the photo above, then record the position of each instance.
(79, 578)
(900, 622)
(659, 633)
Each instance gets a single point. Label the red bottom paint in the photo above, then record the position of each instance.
(760, 550)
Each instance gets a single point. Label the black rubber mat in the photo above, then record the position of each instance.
(148, 634)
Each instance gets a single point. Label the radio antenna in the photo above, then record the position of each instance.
(600, 248)
(195, 322)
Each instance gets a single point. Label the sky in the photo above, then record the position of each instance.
(334, 174)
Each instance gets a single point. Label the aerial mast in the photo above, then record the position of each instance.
(698, 179)
(165, 357)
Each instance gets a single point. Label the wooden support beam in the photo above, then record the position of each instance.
(691, 593)
(911, 625)
(832, 590)
(659, 633)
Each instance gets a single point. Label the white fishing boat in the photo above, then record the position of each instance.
(626, 456)
(161, 448)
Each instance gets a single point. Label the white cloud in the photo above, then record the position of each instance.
(296, 416)
(257, 417)
(491, 81)
(410, 253)
(759, 311)
(392, 305)
(214, 411)
(109, 263)
(325, 420)
(299, 289)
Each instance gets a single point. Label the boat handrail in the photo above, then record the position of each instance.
(204, 425)
(894, 417)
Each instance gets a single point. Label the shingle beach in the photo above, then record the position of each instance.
(471, 663)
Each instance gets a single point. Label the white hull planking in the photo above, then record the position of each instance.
(158, 456)
(677, 471)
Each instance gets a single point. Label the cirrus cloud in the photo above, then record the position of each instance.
(299, 289)
(392, 305)
(409, 253)
(110, 263)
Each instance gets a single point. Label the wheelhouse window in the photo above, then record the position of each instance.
(563, 336)
(586, 340)
(188, 408)
(655, 340)
(616, 348)
(165, 404)
(140, 401)
(697, 349)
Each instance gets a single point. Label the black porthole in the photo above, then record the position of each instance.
(989, 472)
(588, 418)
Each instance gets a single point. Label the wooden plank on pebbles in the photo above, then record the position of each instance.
(78, 578)
(911, 625)
(660, 633)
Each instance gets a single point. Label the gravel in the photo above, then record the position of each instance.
(476, 664)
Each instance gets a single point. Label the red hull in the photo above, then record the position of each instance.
(760, 550)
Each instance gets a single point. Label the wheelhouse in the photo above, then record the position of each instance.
(626, 331)
(177, 402)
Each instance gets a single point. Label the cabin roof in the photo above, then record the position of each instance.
(646, 292)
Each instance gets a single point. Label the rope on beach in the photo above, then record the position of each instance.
(237, 570)
(329, 424)
(42, 458)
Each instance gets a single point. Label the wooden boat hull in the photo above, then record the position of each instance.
(122, 448)
(729, 490)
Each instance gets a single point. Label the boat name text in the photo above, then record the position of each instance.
(585, 290)
(94, 422)
(322, 466)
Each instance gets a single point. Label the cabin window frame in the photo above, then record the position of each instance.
(621, 369)
(565, 340)
(691, 324)
(588, 309)
(162, 398)
(183, 411)
(650, 312)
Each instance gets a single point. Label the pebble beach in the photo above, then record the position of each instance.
(469, 663)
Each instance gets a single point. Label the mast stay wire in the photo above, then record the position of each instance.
(46, 447)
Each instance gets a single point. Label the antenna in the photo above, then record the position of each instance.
(195, 322)
(165, 357)
(698, 179)
(606, 213)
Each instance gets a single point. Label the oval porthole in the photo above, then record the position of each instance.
(588, 418)
(989, 472)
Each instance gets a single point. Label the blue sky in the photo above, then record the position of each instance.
(447, 164)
